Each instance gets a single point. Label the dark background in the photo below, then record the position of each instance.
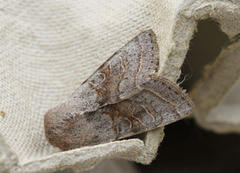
(187, 148)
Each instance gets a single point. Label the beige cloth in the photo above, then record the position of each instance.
(48, 47)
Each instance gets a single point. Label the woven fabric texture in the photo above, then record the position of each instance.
(49, 47)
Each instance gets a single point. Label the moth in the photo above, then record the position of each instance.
(122, 98)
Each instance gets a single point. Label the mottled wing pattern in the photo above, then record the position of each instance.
(161, 102)
(119, 77)
(143, 112)
(122, 98)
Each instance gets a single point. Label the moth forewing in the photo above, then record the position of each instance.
(122, 98)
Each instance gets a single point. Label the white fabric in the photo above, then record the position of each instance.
(220, 87)
(48, 47)
(229, 109)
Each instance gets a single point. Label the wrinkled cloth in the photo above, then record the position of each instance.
(49, 47)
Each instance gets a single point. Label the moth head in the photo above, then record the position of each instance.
(68, 129)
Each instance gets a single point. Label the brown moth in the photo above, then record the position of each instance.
(122, 98)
